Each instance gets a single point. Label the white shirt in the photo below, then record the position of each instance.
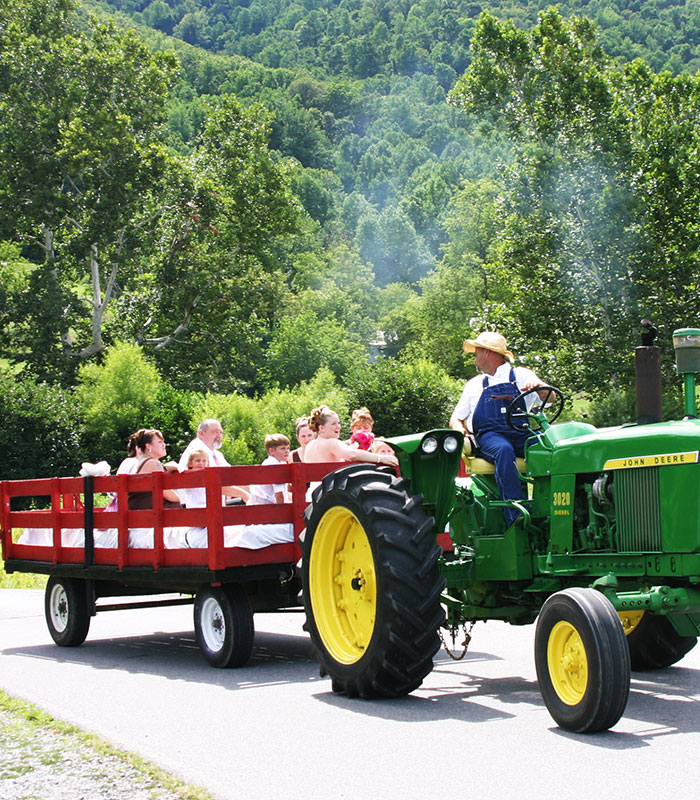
(264, 493)
(194, 497)
(216, 457)
(467, 403)
(127, 465)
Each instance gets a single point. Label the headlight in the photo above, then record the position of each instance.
(429, 445)
(450, 444)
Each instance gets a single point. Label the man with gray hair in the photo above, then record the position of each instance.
(209, 436)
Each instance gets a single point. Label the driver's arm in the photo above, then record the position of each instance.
(457, 424)
(544, 395)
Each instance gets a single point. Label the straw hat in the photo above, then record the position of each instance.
(490, 340)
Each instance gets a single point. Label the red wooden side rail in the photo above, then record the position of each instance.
(71, 507)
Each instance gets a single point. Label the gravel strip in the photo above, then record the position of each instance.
(44, 759)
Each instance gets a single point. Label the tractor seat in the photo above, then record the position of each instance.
(480, 466)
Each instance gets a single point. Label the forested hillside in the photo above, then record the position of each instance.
(362, 38)
(233, 208)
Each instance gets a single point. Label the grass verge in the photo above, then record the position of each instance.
(20, 722)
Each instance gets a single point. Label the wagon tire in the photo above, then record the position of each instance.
(582, 660)
(223, 625)
(66, 611)
(654, 643)
(371, 583)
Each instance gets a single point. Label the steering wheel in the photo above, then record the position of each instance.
(540, 416)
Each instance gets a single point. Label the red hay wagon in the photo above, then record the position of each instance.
(227, 584)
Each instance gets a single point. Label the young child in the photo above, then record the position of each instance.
(277, 446)
(196, 496)
(361, 424)
(380, 446)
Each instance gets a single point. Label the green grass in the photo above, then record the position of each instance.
(19, 725)
(20, 580)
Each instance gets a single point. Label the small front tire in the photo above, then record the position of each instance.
(582, 660)
(66, 611)
(223, 625)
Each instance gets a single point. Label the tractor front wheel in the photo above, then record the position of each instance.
(653, 641)
(371, 583)
(582, 660)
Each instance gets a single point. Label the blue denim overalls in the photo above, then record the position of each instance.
(498, 442)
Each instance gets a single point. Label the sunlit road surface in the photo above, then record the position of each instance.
(273, 729)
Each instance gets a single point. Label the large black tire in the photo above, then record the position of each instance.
(582, 660)
(223, 625)
(653, 641)
(66, 611)
(371, 583)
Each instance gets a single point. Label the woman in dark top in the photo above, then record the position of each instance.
(304, 435)
(152, 446)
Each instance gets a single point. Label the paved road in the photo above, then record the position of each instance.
(274, 729)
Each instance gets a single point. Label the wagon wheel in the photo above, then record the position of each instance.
(582, 660)
(66, 611)
(223, 625)
(371, 583)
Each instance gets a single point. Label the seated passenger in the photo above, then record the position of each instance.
(152, 445)
(328, 447)
(209, 439)
(196, 497)
(277, 446)
(256, 536)
(379, 445)
(304, 435)
(361, 426)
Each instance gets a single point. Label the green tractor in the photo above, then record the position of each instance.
(605, 556)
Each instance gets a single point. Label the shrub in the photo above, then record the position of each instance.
(41, 434)
(403, 397)
(246, 421)
(116, 397)
(615, 408)
(125, 393)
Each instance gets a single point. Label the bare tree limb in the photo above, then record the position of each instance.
(165, 341)
(100, 301)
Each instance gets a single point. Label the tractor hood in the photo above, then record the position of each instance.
(574, 447)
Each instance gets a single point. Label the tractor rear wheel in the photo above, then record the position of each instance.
(582, 660)
(223, 625)
(371, 583)
(66, 611)
(653, 641)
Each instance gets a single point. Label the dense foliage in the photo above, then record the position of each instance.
(597, 222)
(232, 208)
(362, 38)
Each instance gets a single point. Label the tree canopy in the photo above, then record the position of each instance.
(248, 202)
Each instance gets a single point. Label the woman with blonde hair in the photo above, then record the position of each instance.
(325, 423)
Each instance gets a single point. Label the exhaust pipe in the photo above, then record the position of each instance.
(647, 361)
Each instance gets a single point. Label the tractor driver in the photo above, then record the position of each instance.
(481, 410)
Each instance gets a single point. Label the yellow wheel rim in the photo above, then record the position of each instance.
(567, 663)
(630, 620)
(342, 585)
